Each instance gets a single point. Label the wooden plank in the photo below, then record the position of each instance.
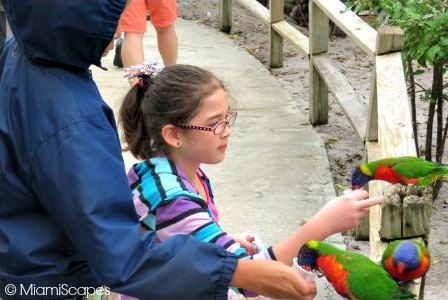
(362, 230)
(318, 102)
(416, 216)
(276, 9)
(391, 217)
(359, 31)
(389, 39)
(395, 135)
(275, 49)
(372, 117)
(256, 9)
(345, 95)
(377, 246)
(275, 39)
(319, 29)
(293, 36)
(225, 15)
(372, 151)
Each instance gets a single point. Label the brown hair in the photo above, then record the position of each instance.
(174, 96)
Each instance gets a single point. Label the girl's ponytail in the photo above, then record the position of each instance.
(132, 123)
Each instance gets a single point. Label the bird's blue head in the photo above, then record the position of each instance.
(359, 179)
(408, 254)
(307, 257)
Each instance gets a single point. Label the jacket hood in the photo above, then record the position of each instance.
(68, 33)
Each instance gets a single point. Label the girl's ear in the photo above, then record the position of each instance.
(171, 136)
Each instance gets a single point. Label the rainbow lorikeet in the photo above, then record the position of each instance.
(354, 276)
(404, 170)
(406, 260)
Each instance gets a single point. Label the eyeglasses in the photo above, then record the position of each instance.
(218, 128)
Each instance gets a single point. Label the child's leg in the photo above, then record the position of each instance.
(163, 16)
(132, 49)
(168, 44)
(133, 25)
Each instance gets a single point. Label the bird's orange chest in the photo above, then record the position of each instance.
(409, 274)
(335, 273)
(388, 174)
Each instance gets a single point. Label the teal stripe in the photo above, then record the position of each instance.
(167, 181)
(208, 233)
(162, 165)
(150, 221)
(148, 186)
(241, 252)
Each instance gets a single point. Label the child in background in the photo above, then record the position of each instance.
(176, 119)
(133, 24)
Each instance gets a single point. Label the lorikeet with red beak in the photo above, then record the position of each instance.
(404, 170)
(406, 260)
(354, 276)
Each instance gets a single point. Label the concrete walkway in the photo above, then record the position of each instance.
(276, 172)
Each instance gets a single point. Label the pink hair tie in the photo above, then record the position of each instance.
(140, 82)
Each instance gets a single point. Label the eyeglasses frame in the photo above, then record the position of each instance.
(230, 115)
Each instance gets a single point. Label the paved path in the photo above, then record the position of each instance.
(276, 172)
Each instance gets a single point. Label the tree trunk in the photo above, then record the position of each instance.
(412, 96)
(429, 127)
(437, 94)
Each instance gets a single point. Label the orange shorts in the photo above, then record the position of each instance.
(163, 13)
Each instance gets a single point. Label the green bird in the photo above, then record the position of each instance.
(354, 276)
(404, 170)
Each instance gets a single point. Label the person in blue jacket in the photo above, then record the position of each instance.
(67, 220)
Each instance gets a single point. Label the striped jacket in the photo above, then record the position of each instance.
(169, 204)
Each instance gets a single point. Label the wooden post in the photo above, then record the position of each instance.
(417, 211)
(372, 117)
(275, 39)
(396, 219)
(362, 230)
(225, 15)
(391, 215)
(389, 39)
(319, 29)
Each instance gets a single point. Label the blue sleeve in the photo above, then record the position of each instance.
(79, 175)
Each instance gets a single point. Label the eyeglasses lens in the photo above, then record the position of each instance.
(222, 126)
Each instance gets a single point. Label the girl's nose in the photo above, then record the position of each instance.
(227, 131)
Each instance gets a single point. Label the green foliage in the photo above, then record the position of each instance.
(424, 22)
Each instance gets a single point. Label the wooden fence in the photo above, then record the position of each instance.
(384, 124)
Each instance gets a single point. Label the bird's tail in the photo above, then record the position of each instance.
(403, 293)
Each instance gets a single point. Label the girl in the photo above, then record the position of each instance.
(178, 118)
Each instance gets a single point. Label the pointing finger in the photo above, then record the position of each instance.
(356, 194)
(370, 202)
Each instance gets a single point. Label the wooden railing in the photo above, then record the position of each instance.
(384, 124)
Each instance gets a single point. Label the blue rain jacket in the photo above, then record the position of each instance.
(66, 215)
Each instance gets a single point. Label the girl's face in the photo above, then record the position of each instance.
(200, 146)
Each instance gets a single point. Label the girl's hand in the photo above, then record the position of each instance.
(345, 212)
(272, 279)
(246, 242)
